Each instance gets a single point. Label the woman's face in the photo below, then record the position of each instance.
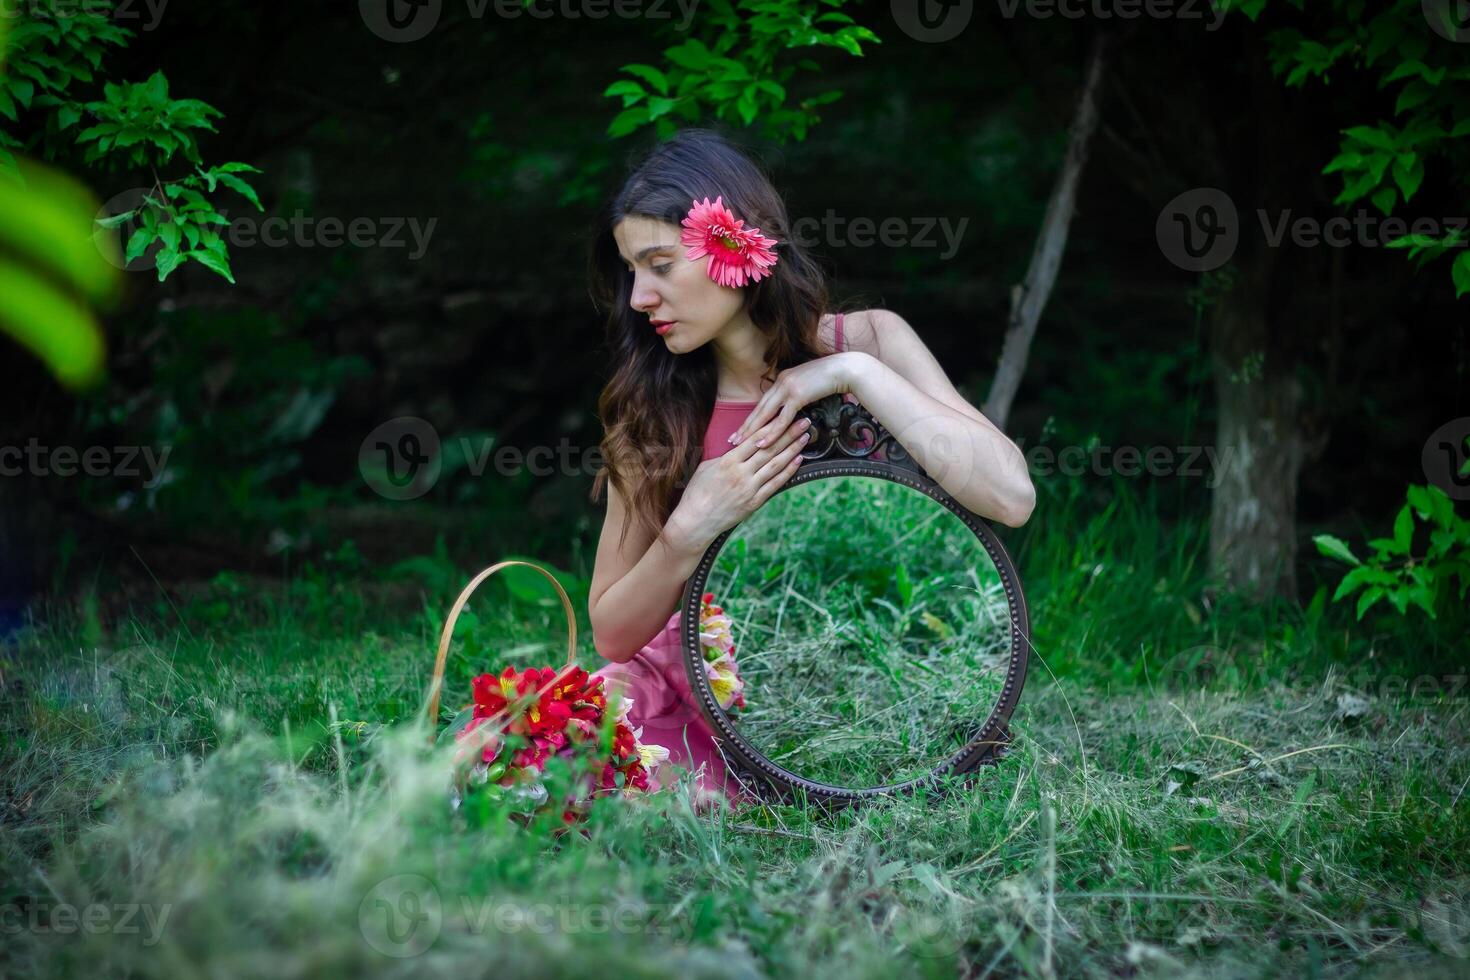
(669, 287)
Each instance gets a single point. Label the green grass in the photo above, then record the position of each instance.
(1198, 787)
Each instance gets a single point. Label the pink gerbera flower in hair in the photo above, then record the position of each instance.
(736, 253)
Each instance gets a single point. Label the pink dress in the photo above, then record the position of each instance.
(663, 705)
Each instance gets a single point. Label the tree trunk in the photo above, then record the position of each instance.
(1028, 298)
(1258, 443)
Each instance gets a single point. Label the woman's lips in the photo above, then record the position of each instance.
(664, 328)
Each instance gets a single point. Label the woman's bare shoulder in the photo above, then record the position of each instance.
(827, 333)
(858, 331)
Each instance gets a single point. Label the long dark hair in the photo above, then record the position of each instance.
(656, 404)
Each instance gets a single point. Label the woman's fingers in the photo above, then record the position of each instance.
(758, 416)
(772, 429)
(784, 456)
(779, 478)
(748, 449)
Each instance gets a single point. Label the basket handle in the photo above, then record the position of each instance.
(432, 710)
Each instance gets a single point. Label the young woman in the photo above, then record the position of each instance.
(718, 333)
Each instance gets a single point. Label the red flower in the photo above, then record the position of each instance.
(552, 713)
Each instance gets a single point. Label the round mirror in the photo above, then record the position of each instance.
(860, 633)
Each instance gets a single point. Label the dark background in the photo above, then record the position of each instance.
(495, 129)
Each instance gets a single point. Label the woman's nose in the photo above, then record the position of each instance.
(644, 299)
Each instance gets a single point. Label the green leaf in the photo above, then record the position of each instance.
(772, 88)
(1432, 504)
(456, 725)
(658, 106)
(1335, 548)
(629, 90)
(1367, 599)
(115, 220)
(1460, 273)
(1354, 579)
(1383, 199)
(168, 260)
(692, 54)
(156, 88)
(529, 585)
(212, 261)
(1383, 35)
(1347, 160)
(627, 121)
(651, 75)
(1373, 136)
(22, 90)
(1441, 542)
(1408, 176)
(1318, 605)
(1423, 595)
(138, 243)
(1416, 93)
(243, 189)
(745, 105)
(1403, 530)
(1404, 69)
(1377, 164)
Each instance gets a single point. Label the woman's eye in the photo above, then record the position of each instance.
(663, 270)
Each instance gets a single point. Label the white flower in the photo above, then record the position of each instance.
(625, 704)
(652, 756)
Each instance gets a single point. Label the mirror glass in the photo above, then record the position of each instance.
(868, 627)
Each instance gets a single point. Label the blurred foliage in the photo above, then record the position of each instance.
(233, 395)
(50, 267)
(503, 170)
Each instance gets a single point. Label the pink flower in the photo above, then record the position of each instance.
(735, 252)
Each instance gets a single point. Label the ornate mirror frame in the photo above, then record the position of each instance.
(840, 446)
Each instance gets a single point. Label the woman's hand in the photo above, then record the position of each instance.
(795, 388)
(727, 489)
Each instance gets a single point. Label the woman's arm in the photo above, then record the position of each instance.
(959, 447)
(629, 612)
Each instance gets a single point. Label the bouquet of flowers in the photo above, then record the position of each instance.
(717, 643)
(520, 719)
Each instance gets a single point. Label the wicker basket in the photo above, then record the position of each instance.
(431, 711)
